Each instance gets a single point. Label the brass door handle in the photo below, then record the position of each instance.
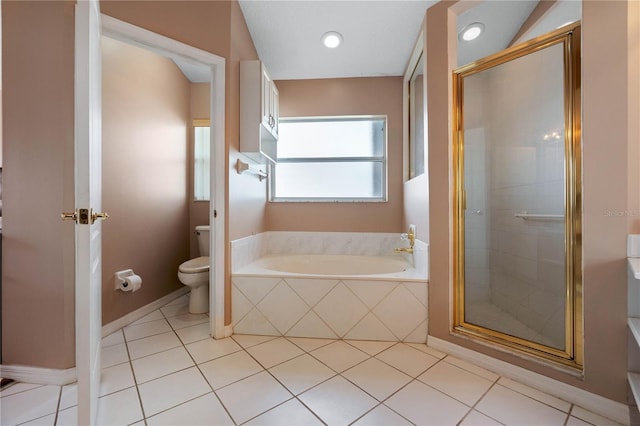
(69, 216)
(96, 215)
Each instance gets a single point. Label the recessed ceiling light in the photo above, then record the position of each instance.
(332, 39)
(471, 31)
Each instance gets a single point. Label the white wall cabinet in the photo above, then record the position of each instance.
(259, 112)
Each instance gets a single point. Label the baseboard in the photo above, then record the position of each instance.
(598, 404)
(38, 375)
(134, 316)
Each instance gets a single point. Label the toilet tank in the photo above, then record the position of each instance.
(202, 233)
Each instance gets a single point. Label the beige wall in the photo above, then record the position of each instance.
(38, 262)
(345, 96)
(145, 124)
(38, 248)
(605, 146)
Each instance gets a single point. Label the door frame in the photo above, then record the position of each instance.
(131, 34)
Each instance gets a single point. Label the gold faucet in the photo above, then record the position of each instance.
(411, 236)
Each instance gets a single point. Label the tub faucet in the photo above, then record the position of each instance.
(411, 236)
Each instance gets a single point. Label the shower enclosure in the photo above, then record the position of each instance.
(517, 198)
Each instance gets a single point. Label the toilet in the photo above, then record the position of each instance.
(194, 273)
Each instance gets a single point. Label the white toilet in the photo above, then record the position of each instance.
(195, 274)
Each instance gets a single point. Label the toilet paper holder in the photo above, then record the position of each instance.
(120, 278)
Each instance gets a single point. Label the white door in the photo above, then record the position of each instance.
(88, 197)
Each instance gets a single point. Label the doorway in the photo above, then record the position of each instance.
(214, 67)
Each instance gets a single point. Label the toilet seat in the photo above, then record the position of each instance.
(194, 266)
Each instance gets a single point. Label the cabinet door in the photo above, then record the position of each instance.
(275, 109)
(266, 98)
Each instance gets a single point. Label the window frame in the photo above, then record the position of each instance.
(197, 123)
(383, 160)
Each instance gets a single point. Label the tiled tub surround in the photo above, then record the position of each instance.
(385, 307)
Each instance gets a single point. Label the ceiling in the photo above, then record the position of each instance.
(379, 35)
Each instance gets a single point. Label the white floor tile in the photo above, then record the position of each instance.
(274, 352)
(574, 421)
(115, 338)
(172, 390)
(160, 364)
(133, 332)
(116, 378)
(382, 416)
(187, 320)
(512, 408)
(377, 378)
(228, 369)
(29, 405)
(489, 375)
(478, 419)
(206, 350)
(42, 421)
(370, 347)
(428, 350)
(68, 417)
(535, 394)
(248, 340)
(291, 412)
(301, 373)
(590, 417)
(337, 401)
(113, 355)
(457, 383)
(339, 356)
(120, 408)
(309, 344)
(252, 396)
(407, 359)
(175, 310)
(203, 411)
(194, 333)
(69, 396)
(17, 388)
(153, 316)
(153, 344)
(424, 405)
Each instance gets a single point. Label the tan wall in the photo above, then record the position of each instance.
(145, 124)
(345, 96)
(198, 210)
(605, 145)
(38, 248)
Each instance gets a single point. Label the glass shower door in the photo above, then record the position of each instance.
(517, 207)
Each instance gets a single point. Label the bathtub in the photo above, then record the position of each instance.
(371, 296)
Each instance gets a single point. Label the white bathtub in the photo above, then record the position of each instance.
(360, 297)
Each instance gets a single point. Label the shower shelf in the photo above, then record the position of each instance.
(527, 216)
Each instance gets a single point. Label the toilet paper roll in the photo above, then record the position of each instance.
(131, 283)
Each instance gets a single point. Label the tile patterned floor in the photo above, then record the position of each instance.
(165, 370)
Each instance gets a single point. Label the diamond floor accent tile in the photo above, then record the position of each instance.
(339, 356)
(120, 408)
(160, 364)
(208, 349)
(382, 416)
(172, 390)
(457, 383)
(407, 359)
(153, 344)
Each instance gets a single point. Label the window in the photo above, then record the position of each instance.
(331, 159)
(201, 162)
